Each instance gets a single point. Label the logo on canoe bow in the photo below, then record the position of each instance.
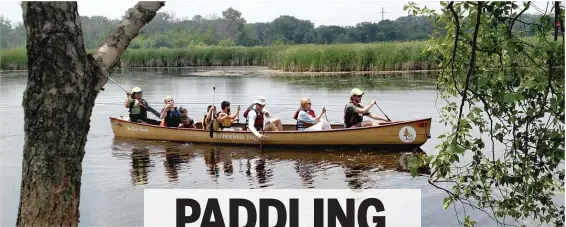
(407, 134)
(137, 129)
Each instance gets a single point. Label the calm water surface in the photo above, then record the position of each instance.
(116, 171)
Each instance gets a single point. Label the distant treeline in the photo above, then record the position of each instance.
(231, 29)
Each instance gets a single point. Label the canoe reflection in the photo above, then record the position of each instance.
(237, 163)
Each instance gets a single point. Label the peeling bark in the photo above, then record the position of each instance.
(63, 83)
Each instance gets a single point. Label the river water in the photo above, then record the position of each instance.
(116, 171)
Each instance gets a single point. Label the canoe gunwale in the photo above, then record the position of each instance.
(392, 124)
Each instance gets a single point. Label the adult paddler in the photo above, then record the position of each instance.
(354, 112)
(138, 107)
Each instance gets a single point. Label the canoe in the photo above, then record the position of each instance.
(400, 134)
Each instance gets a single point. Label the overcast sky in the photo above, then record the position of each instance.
(343, 13)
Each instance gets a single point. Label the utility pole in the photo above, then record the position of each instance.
(382, 13)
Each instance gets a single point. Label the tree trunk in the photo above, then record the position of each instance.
(63, 83)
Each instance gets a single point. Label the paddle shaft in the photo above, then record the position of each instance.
(383, 112)
(211, 112)
(153, 111)
(118, 84)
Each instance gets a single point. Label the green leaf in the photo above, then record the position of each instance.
(509, 98)
(447, 202)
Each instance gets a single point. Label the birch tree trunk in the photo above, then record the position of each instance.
(63, 83)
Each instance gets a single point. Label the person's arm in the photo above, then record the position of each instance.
(234, 116)
(127, 102)
(163, 113)
(377, 117)
(321, 113)
(222, 117)
(210, 114)
(365, 109)
(251, 120)
(305, 117)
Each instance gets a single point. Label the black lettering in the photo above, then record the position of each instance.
(294, 213)
(234, 213)
(318, 212)
(379, 221)
(212, 207)
(335, 212)
(264, 205)
(195, 211)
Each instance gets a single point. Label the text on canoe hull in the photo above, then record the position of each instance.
(236, 136)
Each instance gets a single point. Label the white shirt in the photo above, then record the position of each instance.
(251, 121)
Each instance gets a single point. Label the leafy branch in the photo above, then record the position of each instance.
(518, 103)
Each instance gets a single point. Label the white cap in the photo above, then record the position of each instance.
(260, 100)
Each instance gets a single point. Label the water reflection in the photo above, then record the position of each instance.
(263, 174)
(174, 161)
(306, 171)
(140, 165)
(227, 166)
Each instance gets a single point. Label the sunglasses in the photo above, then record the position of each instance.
(357, 96)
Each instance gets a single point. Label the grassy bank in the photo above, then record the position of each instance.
(299, 58)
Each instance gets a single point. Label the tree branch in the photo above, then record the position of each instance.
(109, 51)
(451, 8)
(472, 63)
(518, 15)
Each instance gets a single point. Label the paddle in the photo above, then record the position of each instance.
(212, 115)
(153, 111)
(261, 142)
(382, 112)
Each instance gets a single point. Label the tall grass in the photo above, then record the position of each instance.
(299, 58)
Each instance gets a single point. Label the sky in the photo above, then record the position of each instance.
(330, 12)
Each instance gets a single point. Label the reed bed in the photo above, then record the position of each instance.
(294, 58)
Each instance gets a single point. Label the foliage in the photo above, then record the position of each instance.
(335, 57)
(513, 91)
(168, 31)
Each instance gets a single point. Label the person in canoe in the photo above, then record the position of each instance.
(170, 115)
(354, 112)
(186, 121)
(307, 120)
(225, 119)
(138, 107)
(255, 116)
(210, 114)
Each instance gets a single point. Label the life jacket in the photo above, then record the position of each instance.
(143, 111)
(302, 124)
(258, 124)
(351, 119)
(227, 122)
(173, 118)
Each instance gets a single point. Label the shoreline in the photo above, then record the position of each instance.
(253, 70)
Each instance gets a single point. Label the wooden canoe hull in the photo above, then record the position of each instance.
(408, 134)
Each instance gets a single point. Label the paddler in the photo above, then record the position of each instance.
(255, 116)
(354, 112)
(307, 120)
(226, 119)
(138, 107)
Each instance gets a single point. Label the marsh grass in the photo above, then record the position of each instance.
(294, 58)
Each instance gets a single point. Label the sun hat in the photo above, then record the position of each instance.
(356, 91)
(260, 100)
